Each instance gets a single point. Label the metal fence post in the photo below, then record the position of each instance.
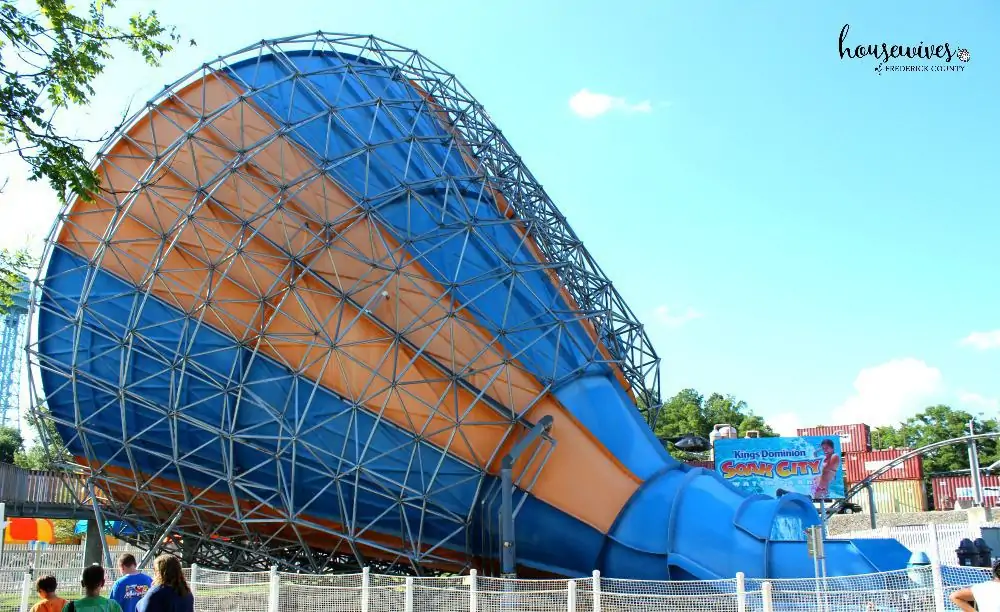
(934, 544)
(765, 595)
(25, 591)
(408, 596)
(571, 596)
(937, 582)
(473, 591)
(597, 590)
(741, 592)
(273, 595)
(194, 579)
(366, 578)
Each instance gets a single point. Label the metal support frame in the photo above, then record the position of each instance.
(871, 505)
(508, 553)
(13, 326)
(923, 450)
(977, 482)
(159, 538)
(99, 517)
(243, 525)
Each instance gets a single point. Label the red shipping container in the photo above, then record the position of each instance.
(855, 438)
(948, 490)
(858, 466)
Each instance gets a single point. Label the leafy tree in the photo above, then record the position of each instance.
(11, 443)
(49, 58)
(887, 436)
(643, 403)
(64, 531)
(935, 424)
(689, 412)
(38, 457)
(15, 270)
(727, 409)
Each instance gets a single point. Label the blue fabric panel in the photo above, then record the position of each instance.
(604, 408)
(386, 164)
(205, 385)
(382, 169)
(259, 420)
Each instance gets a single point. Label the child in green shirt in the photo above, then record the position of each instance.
(93, 581)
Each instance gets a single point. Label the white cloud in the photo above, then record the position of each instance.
(785, 423)
(982, 340)
(889, 393)
(671, 319)
(588, 104)
(979, 401)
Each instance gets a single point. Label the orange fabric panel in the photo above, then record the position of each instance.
(258, 294)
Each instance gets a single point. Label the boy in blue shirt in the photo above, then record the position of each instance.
(132, 585)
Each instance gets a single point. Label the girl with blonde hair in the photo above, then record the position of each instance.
(170, 592)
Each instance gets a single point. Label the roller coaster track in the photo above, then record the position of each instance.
(923, 450)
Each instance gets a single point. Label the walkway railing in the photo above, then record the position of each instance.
(923, 589)
(40, 487)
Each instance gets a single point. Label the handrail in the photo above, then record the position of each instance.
(41, 486)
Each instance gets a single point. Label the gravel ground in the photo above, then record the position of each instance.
(843, 523)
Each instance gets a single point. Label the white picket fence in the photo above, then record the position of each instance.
(23, 556)
(939, 541)
(924, 588)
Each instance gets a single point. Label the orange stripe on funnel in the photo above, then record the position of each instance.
(266, 298)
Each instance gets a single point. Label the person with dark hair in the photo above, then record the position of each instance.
(132, 585)
(92, 581)
(984, 597)
(170, 592)
(830, 465)
(46, 588)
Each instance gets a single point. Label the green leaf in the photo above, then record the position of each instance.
(57, 53)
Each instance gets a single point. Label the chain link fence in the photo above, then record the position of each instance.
(918, 589)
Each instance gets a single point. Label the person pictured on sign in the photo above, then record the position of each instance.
(828, 470)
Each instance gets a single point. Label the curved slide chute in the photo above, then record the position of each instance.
(305, 312)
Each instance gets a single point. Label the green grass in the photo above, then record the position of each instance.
(12, 601)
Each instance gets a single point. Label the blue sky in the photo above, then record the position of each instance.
(828, 229)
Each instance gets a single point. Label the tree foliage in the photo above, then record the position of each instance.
(935, 424)
(39, 456)
(11, 443)
(49, 59)
(689, 412)
(16, 267)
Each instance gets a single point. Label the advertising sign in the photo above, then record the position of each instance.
(809, 465)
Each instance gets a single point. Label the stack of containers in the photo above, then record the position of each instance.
(901, 489)
(855, 438)
(954, 490)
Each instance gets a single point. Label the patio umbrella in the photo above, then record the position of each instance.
(21, 530)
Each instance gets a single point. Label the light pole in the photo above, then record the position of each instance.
(977, 483)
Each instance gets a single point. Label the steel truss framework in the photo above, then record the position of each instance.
(220, 531)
